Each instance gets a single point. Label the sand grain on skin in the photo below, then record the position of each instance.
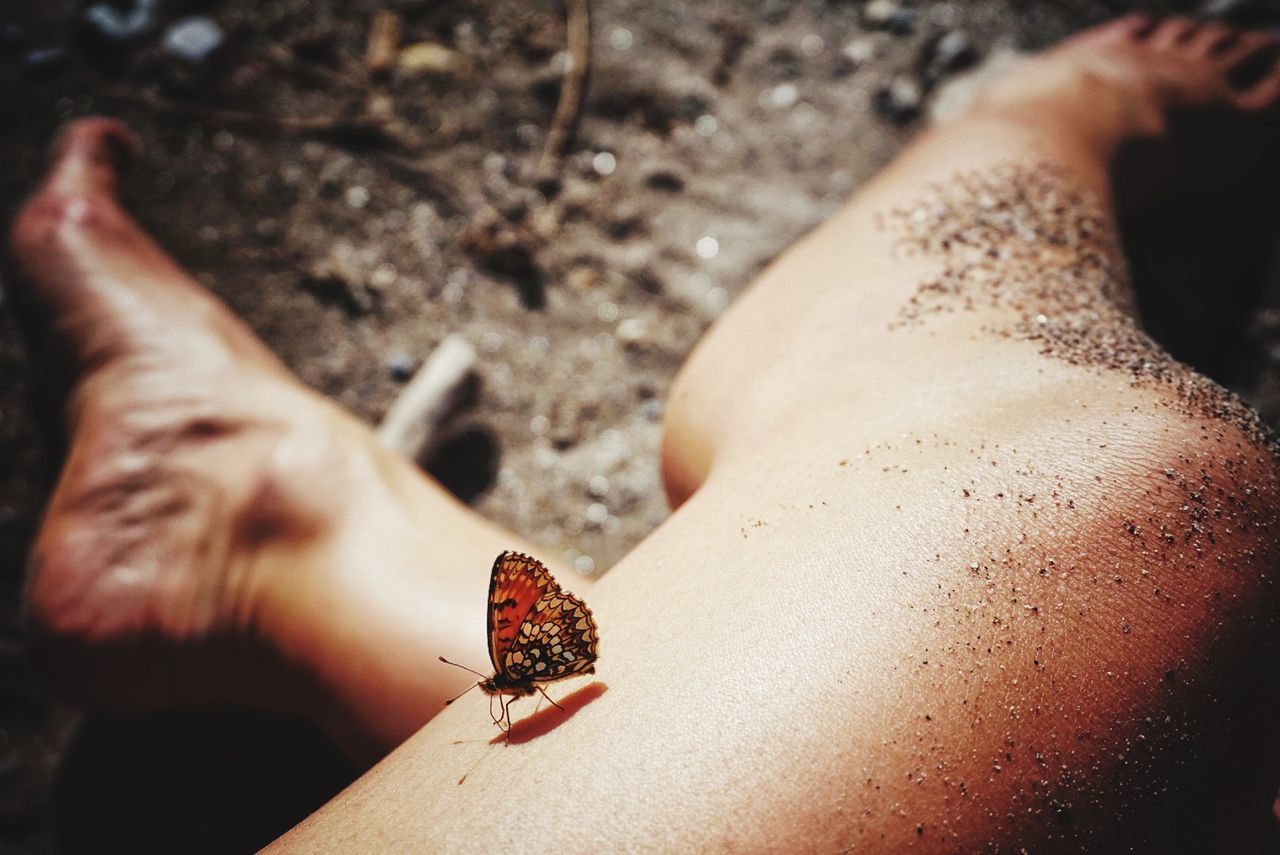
(1035, 243)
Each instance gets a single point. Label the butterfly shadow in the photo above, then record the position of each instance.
(547, 719)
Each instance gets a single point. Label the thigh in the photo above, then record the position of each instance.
(1036, 622)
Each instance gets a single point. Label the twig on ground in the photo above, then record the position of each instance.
(334, 126)
(384, 42)
(415, 423)
(575, 77)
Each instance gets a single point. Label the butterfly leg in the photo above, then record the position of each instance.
(506, 714)
(548, 697)
(497, 719)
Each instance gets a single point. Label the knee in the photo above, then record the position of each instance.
(686, 452)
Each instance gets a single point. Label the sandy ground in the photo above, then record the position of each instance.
(711, 136)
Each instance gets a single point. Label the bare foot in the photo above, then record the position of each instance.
(208, 538)
(188, 445)
(1155, 96)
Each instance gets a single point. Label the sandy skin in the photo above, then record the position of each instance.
(982, 614)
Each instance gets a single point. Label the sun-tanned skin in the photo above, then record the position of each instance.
(212, 510)
(944, 581)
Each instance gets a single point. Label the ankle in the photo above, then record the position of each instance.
(1070, 105)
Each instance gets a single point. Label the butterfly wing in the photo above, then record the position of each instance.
(516, 585)
(557, 639)
(537, 632)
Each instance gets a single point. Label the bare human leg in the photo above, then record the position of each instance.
(964, 561)
(219, 533)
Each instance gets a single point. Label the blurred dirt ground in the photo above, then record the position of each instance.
(354, 222)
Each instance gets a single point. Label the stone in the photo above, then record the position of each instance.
(193, 40)
(401, 366)
(113, 24)
(432, 58)
(889, 15)
(44, 60)
(899, 100)
(860, 51)
(667, 180)
(632, 331)
(953, 51)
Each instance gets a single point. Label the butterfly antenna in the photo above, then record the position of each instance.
(463, 667)
(548, 697)
(460, 694)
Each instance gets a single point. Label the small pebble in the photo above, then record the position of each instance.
(784, 95)
(495, 162)
(620, 38)
(665, 179)
(193, 40)
(383, 275)
(953, 52)
(108, 21)
(860, 51)
(604, 163)
(432, 58)
(889, 15)
(44, 60)
(401, 366)
(899, 101)
(631, 331)
(357, 197)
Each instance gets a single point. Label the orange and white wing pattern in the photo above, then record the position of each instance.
(537, 632)
(516, 585)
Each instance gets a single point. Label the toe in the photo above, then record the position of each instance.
(91, 154)
(1172, 32)
(1242, 50)
(1254, 71)
(1264, 95)
(1214, 39)
(1139, 25)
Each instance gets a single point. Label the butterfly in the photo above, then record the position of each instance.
(538, 633)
